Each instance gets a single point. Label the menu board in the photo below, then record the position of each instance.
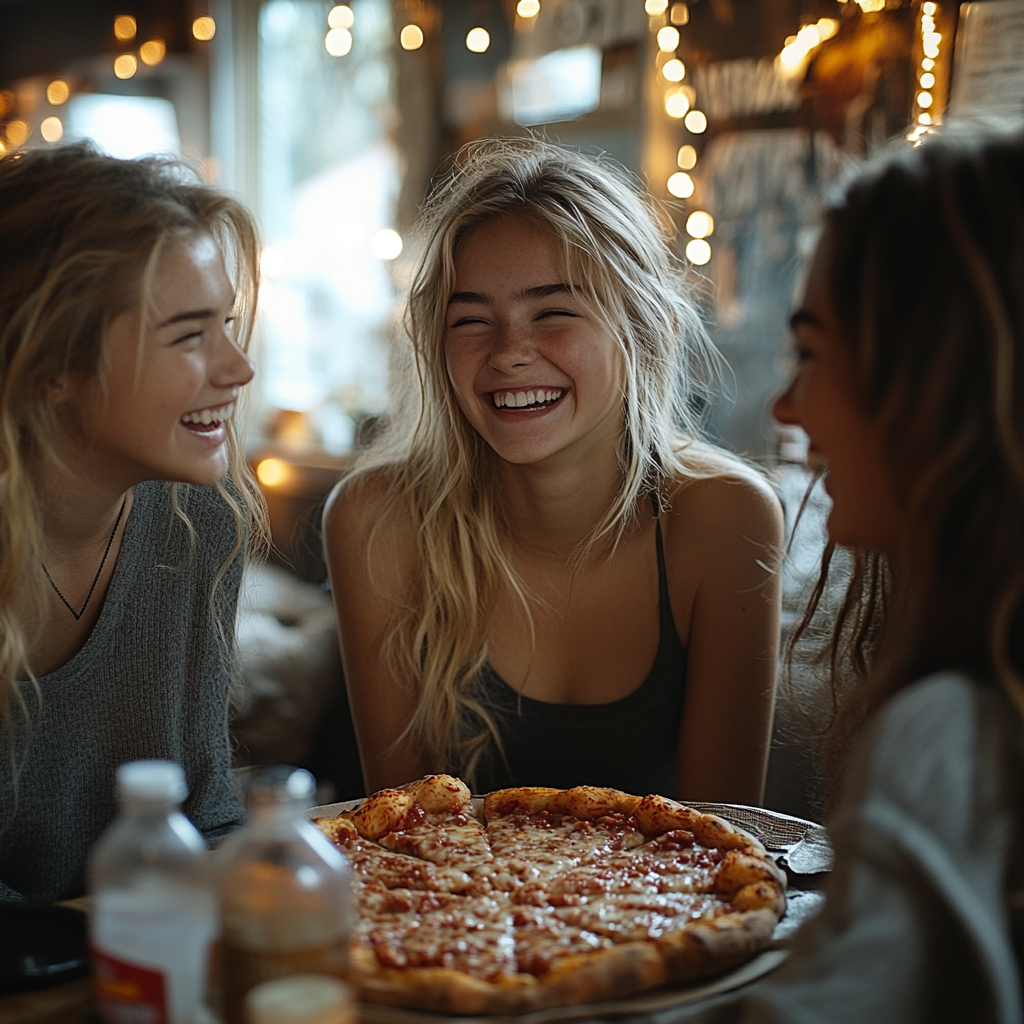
(988, 69)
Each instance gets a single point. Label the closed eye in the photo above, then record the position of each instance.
(556, 312)
(187, 337)
(463, 320)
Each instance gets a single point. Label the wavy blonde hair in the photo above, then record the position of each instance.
(441, 474)
(80, 238)
(926, 276)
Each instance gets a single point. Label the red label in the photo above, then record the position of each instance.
(127, 993)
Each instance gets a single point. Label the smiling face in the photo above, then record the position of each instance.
(160, 412)
(823, 399)
(535, 374)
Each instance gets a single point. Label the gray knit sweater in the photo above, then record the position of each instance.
(150, 682)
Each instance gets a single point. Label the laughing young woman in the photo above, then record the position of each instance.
(543, 576)
(122, 361)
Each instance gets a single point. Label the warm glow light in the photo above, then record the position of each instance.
(680, 14)
(700, 224)
(153, 51)
(929, 8)
(696, 122)
(924, 99)
(6, 102)
(655, 7)
(478, 40)
(687, 157)
(51, 129)
(927, 63)
(126, 65)
(3, 148)
(871, 6)
(57, 92)
(528, 8)
(931, 45)
(411, 37)
(204, 28)
(791, 56)
(808, 37)
(124, 28)
(698, 251)
(827, 28)
(680, 185)
(271, 472)
(668, 39)
(677, 104)
(674, 70)
(927, 80)
(17, 133)
(924, 118)
(927, 24)
(338, 42)
(386, 244)
(341, 16)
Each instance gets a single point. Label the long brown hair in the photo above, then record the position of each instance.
(926, 278)
(80, 235)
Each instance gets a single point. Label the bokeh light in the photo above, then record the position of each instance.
(204, 28)
(153, 51)
(126, 65)
(125, 28)
(271, 472)
(700, 224)
(528, 8)
(386, 244)
(411, 37)
(341, 16)
(696, 122)
(51, 129)
(338, 42)
(680, 185)
(924, 99)
(17, 132)
(674, 70)
(687, 157)
(668, 39)
(698, 251)
(478, 40)
(57, 92)
(655, 7)
(677, 104)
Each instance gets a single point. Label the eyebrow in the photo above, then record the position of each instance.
(804, 318)
(541, 291)
(189, 314)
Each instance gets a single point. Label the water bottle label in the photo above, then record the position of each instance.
(127, 993)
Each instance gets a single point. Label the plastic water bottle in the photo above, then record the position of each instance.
(153, 913)
(285, 899)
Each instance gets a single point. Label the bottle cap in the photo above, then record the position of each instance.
(282, 784)
(152, 780)
(300, 999)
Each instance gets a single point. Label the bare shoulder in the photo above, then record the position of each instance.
(728, 506)
(361, 514)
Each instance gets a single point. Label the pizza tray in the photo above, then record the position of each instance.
(801, 845)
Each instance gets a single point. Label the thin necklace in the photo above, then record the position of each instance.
(96, 578)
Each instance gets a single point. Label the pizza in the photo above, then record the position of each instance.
(545, 897)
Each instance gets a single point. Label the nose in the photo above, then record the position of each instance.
(784, 407)
(232, 367)
(511, 349)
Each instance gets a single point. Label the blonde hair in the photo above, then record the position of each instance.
(440, 472)
(926, 276)
(80, 237)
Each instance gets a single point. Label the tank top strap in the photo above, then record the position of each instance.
(664, 604)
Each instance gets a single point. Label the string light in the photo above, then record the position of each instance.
(677, 103)
(341, 16)
(930, 45)
(125, 28)
(51, 129)
(57, 92)
(687, 157)
(696, 122)
(680, 14)
(655, 7)
(668, 39)
(338, 42)
(411, 37)
(674, 70)
(153, 51)
(700, 224)
(927, 80)
(698, 251)
(478, 40)
(204, 28)
(17, 132)
(528, 8)
(126, 65)
(680, 185)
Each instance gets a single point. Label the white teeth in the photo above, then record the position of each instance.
(208, 416)
(520, 399)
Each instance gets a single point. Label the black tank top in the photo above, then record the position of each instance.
(629, 744)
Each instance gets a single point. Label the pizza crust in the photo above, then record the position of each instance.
(732, 875)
